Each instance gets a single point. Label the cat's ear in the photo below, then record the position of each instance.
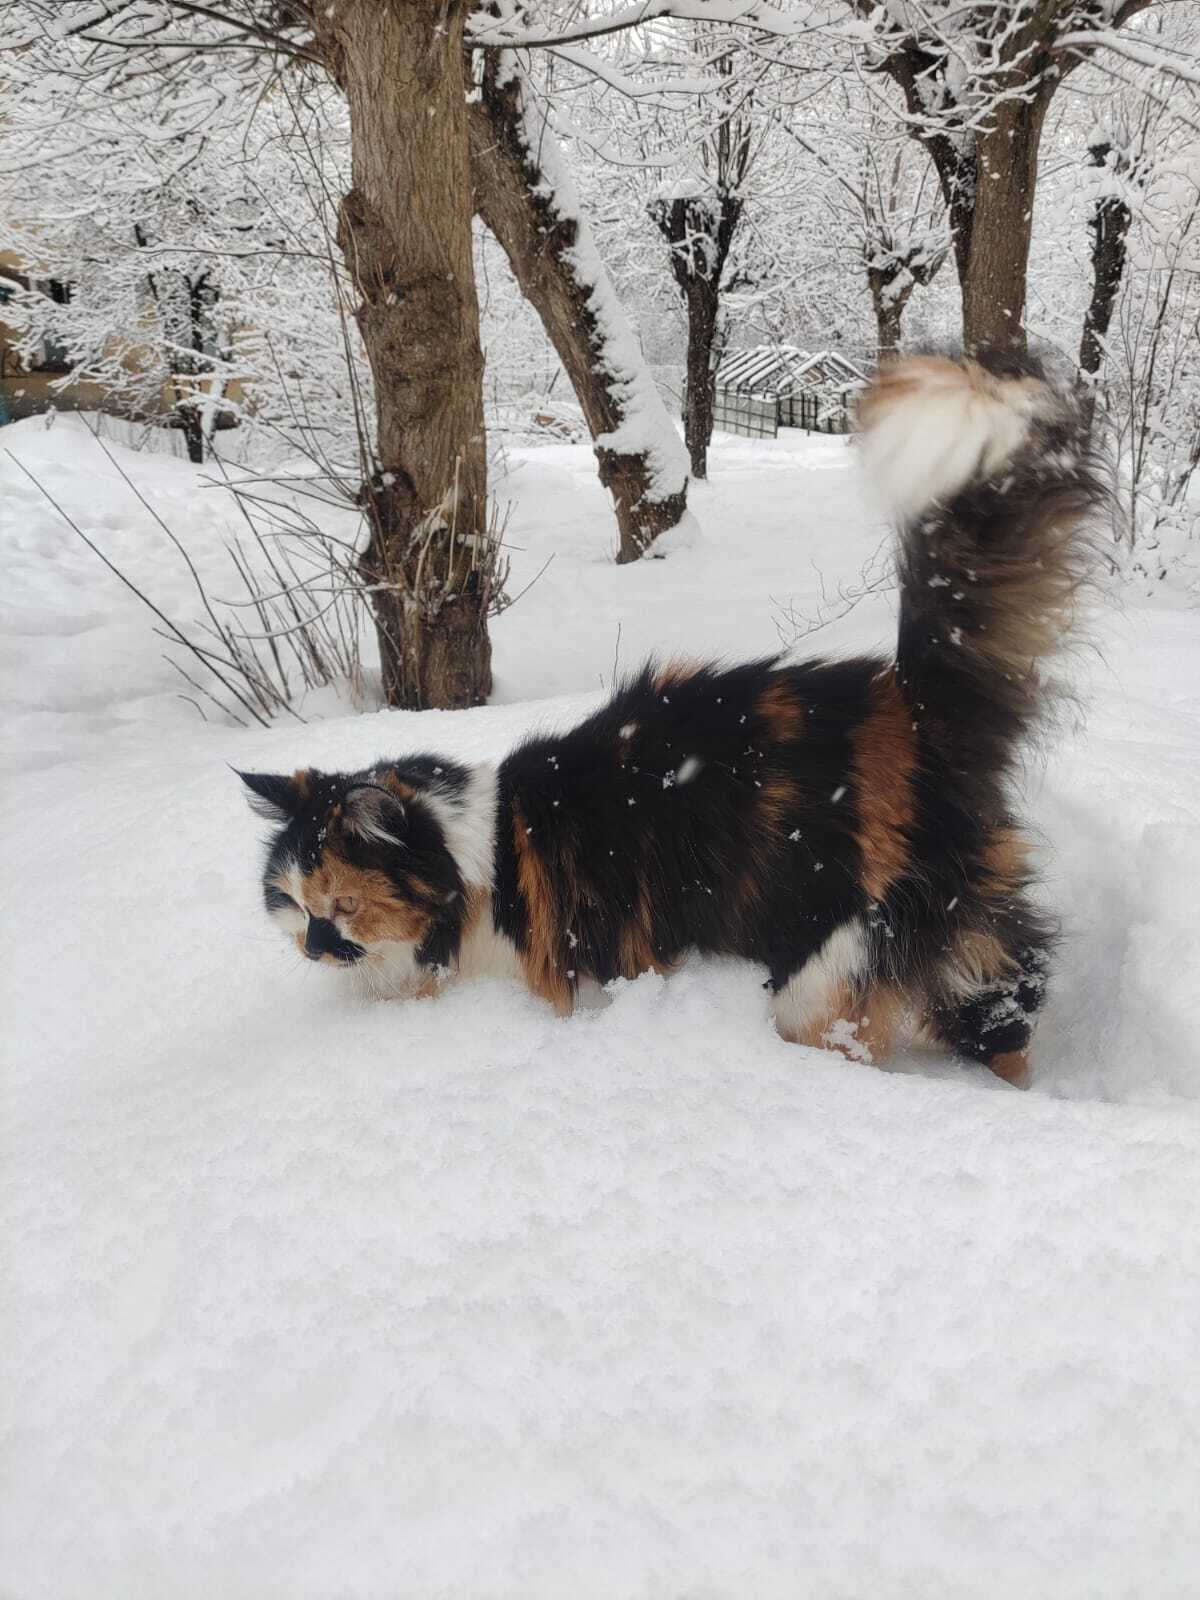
(374, 814)
(274, 796)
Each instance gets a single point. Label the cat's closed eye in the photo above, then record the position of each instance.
(277, 900)
(346, 906)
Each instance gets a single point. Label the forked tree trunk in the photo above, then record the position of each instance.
(699, 231)
(405, 230)
(988, 181)
(987, 156)
(524, 196)
(891, 277)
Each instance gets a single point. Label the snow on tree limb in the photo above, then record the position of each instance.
(485, 29)
(1172, 63)
(646, 428)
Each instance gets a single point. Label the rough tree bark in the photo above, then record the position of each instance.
(699, 231)
(1109, 223)
(405, 230)
(526, 201)
(995, 264)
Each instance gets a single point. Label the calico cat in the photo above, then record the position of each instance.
(846, 825)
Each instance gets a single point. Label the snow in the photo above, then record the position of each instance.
(303, 1297)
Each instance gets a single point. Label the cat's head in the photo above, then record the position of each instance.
(358, 872)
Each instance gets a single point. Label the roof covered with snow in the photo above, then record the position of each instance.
(784, 368)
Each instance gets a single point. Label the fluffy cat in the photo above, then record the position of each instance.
(846, 825)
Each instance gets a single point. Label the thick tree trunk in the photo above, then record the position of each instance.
(1109, 223)
(405, 230)
(523, 195)
(997, 255)
(989, 190)
(702, 333)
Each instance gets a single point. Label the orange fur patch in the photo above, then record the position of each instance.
(777, 806)
(778, 802)
(1013, 1067)
(977, 961)
(543, 958)
(1006, 862)
(382, 913)
(637, 941)
(884, 1012)
(781, 710)
(884, 764)
(394, 785)
(673, 674)
(859, 1027)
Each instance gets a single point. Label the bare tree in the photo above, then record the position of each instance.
(405, 232)
(405, 229)
(905, 242)
(1117, 168)
(977, 83)
(882, 204)
(699, 221)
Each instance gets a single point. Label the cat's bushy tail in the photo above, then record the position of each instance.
(987, 468)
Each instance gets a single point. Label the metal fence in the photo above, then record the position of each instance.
(815, 410)
(754, 416)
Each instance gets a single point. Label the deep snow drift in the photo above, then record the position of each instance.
(304, 1298)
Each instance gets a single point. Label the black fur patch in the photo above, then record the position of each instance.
(676, 819)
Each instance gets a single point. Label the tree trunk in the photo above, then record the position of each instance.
(699, 231)
(523, 194)
(191, 408)
(1109, 223)
(405, 230)
(889, 303)
(191, 422)
(997, 255)
(702, 332)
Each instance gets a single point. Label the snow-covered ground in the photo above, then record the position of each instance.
(302, 1298)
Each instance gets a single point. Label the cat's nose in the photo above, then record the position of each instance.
(320, 938)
